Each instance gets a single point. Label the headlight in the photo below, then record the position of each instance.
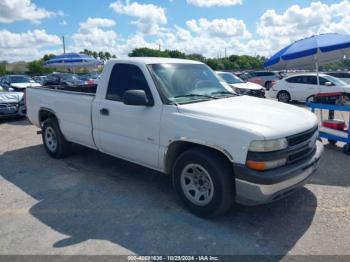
(268, 145)
(241, 91)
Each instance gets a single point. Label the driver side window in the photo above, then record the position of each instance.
(125, 77)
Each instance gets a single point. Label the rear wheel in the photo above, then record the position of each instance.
(283, 97)
(54, 142)
(204, 182)
(346, 149)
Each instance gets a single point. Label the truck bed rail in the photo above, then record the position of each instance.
(79, 89)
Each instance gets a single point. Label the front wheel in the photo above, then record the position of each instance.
(204, 182)
(283, 97)
(54, 142)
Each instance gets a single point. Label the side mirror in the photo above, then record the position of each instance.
(328, 84)
(11, 89)
(136, 98)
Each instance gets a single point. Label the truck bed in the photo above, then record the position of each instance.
(71, 106)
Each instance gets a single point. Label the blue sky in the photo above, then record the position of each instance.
(30, 28)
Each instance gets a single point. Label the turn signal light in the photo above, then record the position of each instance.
(265, 165)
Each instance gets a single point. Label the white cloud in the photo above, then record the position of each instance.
(96, 22)
(229, 27)
(278, 30)
(17, 10)
(91, 36)
(209, 3)
(36, 38)
(150, 17)
(208, 37)
(25, 46)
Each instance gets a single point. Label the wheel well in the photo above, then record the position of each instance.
(45, 114)
(175, 149)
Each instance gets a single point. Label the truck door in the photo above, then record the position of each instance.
(126, 131)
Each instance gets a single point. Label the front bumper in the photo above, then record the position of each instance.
(257, 93)
(12, 110)
(254, 187)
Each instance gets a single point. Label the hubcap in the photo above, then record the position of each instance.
(50, 139)
(283, 97)
(197, 185)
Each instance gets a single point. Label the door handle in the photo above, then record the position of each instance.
(104, 111)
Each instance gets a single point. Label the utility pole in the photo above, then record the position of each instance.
(225, 52)
(64, 45)
(159, 47)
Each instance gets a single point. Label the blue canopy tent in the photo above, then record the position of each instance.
(317, 50)
(72, 60)
(312, 51)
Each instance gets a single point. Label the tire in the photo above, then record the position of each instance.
(54, 142)
(214, 176)
(332, 142)
(346, 150)
(283, 97)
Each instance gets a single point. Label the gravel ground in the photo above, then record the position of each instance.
(91, 203)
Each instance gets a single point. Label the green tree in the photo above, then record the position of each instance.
(147, 52)
(101, 56)
(47, 57)
(3, 68)
(234, 62)
(176, 54)
(36, 67)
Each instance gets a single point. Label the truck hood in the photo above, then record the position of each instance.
(25, 85)
(247, 85)
(266, 118)
(11, 97)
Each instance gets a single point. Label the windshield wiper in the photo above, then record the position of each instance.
(197, 95)
(225, 93)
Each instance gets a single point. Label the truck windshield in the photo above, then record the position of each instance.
(186, 83)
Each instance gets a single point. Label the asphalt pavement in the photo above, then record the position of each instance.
(92, 203)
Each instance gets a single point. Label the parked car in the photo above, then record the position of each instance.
(301, 86)
(345, 76)
(175, 116)
(67, 79)
(39, 79)
(89, 78)
(17, 82)
(11, 103)
(264, 78)
(241, 87)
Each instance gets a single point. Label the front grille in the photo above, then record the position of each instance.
(302, 137)
(4, 105)
(301, 155)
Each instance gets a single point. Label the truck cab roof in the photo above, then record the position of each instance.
(154, 60)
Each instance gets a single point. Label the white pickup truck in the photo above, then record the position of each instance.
(175, 116)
